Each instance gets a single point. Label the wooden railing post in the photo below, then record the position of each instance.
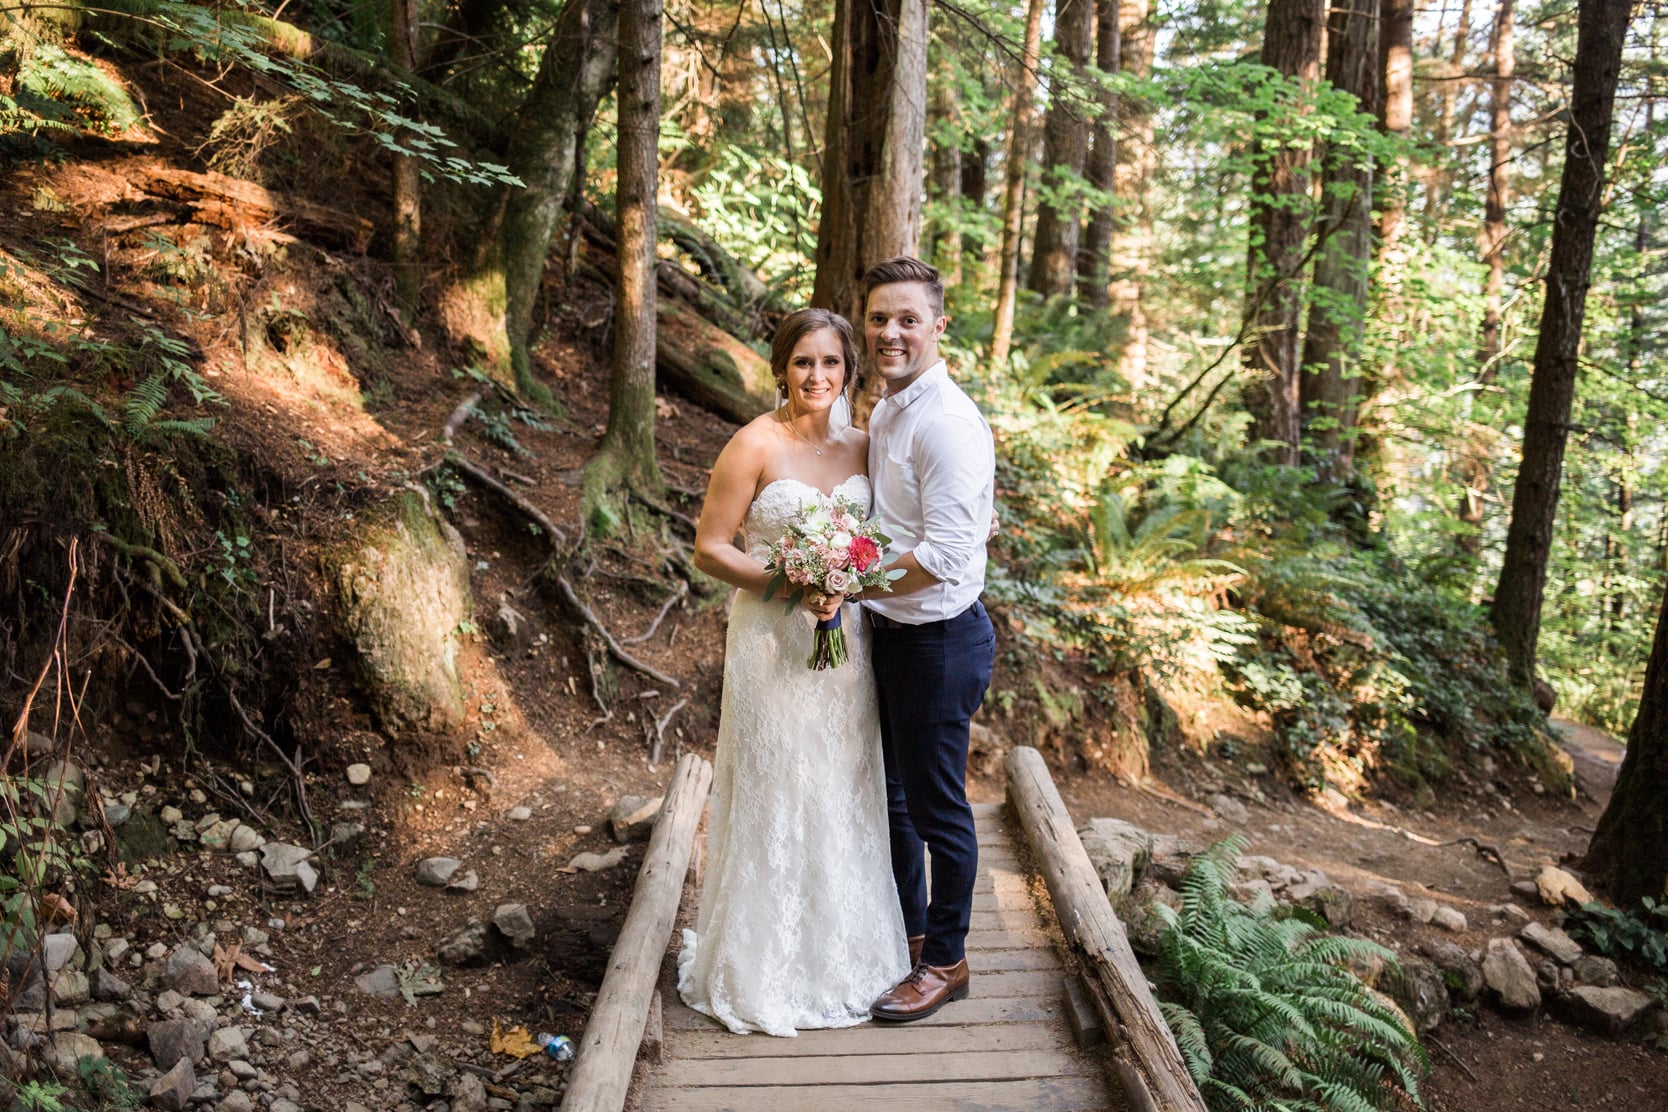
(1149, 1064)
(602, 1066)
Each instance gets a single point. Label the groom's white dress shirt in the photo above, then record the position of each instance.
(933, 466)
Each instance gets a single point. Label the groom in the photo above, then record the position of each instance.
(933, 467)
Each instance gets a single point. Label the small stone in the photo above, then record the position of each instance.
(1590, 969)
(1609, 1011)
(468, 1094)
(117, 814)
(1449, 919)
(236, 1101)
(383, 982)
(69, 1047)
(245, 839)
(288, 867)
(466, 946)
(109, 987)
(172, 1091)
(1231, 809)
(470, 1027)
(436, 872)
(267, 1001)
(359, 774)
(174, 1040)
(58, 950)
(1421, 910)
(597, 862)
(582, 829)
(226, 1044)
(248, 859)
(168, 1000)
(346, 836)
(190, 973)
(1552, 941)
(307, 1005)
(1507, 974)
(1557, 888)
(1420, 988)
(520, 814)
(467, 882)
(170, 816)
(1333, 904)
(1462, 973)
(515, 923)
(69, 988)
(1514, 915)
(632, 819)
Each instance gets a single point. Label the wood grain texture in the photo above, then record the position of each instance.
(1159, 1076)
(1053, 1094)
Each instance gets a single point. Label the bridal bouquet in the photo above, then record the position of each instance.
(834, 549)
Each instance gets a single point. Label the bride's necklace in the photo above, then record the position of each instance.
(788, 421)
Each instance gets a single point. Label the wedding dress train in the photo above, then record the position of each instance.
(799, 924)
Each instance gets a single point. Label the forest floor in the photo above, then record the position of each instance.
(540, 747)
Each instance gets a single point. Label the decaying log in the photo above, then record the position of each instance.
(608, 1049)
(233, 203)
(710, 367)
(1149, 1064)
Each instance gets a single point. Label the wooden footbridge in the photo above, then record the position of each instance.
(1060, 1018)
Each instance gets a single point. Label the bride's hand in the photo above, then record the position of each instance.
(823, 606)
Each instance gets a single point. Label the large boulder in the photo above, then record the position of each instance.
(1421, 990)
(1557, 887)
(1119, 851)
(1508, 976)
(404, 591)
(1609, 1011)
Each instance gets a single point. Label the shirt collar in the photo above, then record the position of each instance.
(929, 380)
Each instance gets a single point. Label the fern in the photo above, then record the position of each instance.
(1266, 1013)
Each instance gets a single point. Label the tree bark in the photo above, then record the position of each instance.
(625, 460)
(1330, 379)
(1601, 29)
(1279, 226)
(408, 185)
(1094, 256)
(944, 243)
(1065, 150)
(1134, 162)
(1436, 190)
(1628, 856)
(1395, 113)
(872, 155)
(1013, 190)
(547, 153)
(975, 187)
(1475, 466)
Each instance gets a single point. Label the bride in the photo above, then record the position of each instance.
(799, 923)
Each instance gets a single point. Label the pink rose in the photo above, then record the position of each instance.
(836, 581)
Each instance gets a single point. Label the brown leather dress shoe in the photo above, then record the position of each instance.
(926, 989)
(916, 941)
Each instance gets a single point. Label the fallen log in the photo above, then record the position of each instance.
(1148, 1062)
(710, 367)
(234, 203)
(608, 1049)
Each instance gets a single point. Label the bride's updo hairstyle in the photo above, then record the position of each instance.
(794, 328)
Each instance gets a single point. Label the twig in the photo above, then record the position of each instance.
(677, 596)
(458, 417)
(22, 726)
(660, 725)
(553, 532)
(1455, 1058)
(614, 646)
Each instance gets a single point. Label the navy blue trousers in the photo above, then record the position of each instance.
(932, 679)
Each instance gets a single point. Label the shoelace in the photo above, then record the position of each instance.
(916, 975)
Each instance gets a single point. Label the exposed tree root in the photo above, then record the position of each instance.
(615, 649)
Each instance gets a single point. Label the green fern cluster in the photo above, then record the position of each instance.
(1266, 1014)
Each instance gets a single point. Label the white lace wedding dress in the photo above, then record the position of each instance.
(799, 924)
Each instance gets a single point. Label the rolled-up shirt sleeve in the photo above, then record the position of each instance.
(955, 464)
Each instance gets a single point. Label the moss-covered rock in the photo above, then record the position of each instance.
(403, 589)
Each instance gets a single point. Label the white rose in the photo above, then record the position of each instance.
(840, 540)
(836, 581)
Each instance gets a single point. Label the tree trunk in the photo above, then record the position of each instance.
(871, 163)
(944, 242)
(1013, 191)
(975, 186)
(408, 185)
(625, 460)
(466, 23)
(1395, 114)
(1065, 149)
(1330, 380)
(1602, 26)
(1279, 226)
(547, 153)
(1134, 162)
(1628, 856)
(1436, 190)
(1094, 256)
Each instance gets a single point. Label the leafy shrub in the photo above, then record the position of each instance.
(1640, 936)
(1265, 1011)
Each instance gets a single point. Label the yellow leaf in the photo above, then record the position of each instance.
(515, 1042)
(323, 664)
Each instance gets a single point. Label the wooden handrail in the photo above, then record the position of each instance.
(602, 1066)
(1149, 1064)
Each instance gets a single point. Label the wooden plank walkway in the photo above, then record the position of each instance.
(1007, 1048)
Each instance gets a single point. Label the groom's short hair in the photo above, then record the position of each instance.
(905, 268)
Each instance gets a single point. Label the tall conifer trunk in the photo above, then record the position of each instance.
(944, 241)
(1279, 226)
(1065, 150)
(1013, 191)
(1395, 114)
(1134, 161)
(1329, 385)
(1602, 27)
(1094, 255)
(408, 185)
